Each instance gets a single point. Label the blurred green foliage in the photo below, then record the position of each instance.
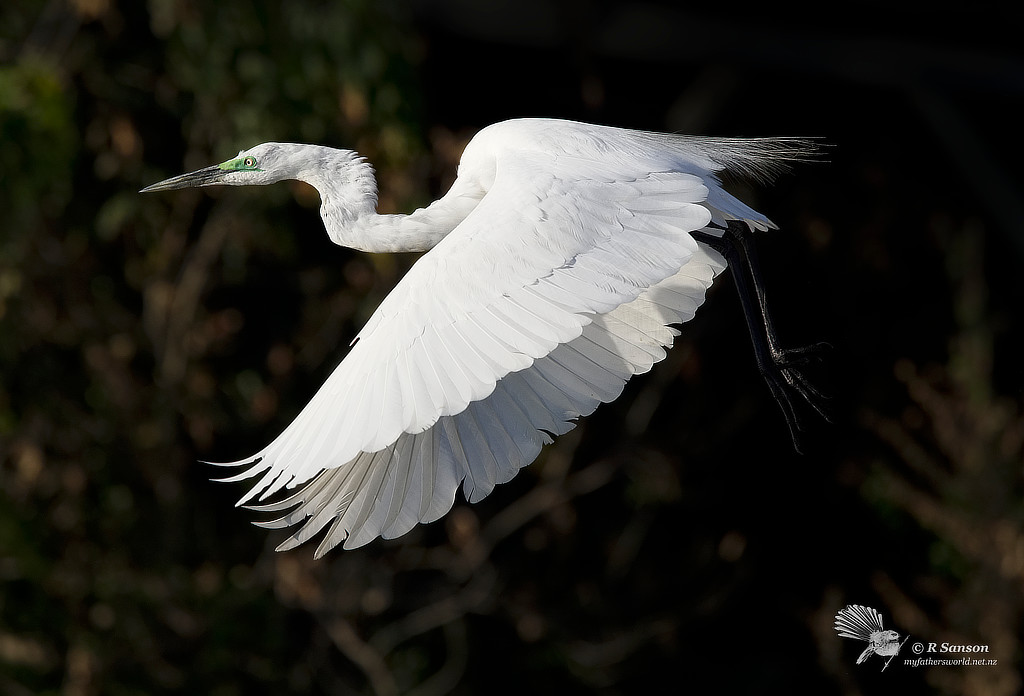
(114, 308)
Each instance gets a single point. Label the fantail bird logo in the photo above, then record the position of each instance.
(865, 623)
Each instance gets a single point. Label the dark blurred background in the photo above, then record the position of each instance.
(672, 538)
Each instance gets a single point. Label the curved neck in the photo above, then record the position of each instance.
(348, 206)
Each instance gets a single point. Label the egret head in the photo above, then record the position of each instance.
(266, 163)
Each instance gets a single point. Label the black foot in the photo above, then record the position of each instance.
(787, 381)
(780, 368)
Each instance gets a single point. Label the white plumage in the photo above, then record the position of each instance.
(865, 623)
(557, 264)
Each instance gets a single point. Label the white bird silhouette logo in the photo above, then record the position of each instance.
(865, 623)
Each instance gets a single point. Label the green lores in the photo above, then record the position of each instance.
(241, 164)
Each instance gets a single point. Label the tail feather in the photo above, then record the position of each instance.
(858, 621)
(758, 159)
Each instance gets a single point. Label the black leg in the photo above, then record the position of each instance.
(780, 368)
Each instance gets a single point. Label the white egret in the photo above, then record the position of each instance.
(556, 267)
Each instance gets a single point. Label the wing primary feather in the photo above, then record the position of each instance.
(299, 459)
(402, 476)
(449, 473)
(366, 498)
(481, 462)
(428, 469)
(255, 467)
(319, 512)
(498, 442)
(596, 374)
(305, 496)
(529, 403)
(611, 361)
(318, 516)
(424, 454)
(519, 426)
(565, 381)
(335, 535)
(557, 401)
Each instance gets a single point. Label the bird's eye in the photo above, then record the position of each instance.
(249, 162)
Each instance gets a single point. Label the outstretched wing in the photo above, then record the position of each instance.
(386, 493)
(554, 290)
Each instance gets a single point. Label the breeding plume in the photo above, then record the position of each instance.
(556, 268)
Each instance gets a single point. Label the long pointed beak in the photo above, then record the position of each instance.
(208, 176)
